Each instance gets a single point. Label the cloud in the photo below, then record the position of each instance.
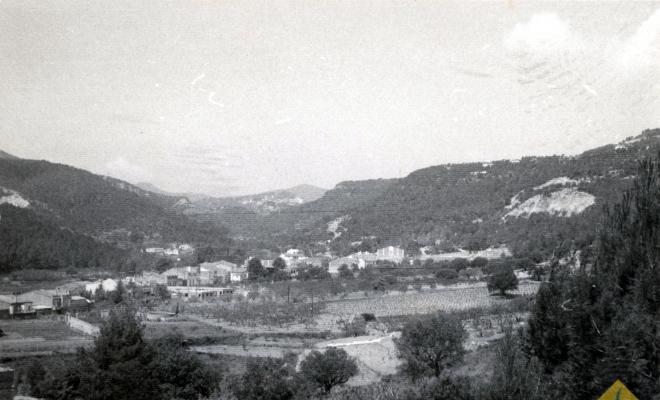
(125, 170)
(643, 48)
(543, 33)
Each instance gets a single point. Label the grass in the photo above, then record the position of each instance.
(52, 328)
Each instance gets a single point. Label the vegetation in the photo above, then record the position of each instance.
(430, 345)
(600, 323)
(123, 366)
(502, 279)
(265, 379)
(328, 369)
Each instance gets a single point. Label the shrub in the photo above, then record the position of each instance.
(264, 378)
(446, 274)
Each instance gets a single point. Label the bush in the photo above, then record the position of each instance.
(446, 274)
(442, 388)
(430, 345)
(368, 317)
(264, 379)
(459, 263)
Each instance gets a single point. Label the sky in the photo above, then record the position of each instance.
(237, 97)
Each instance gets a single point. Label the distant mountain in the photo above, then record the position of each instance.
(532, 205)
(7, 156)
(105, 210)
(260, 204)
(307, 192)
(155, 189)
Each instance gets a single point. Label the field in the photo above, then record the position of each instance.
(39, 337)
(411, 303)
(188, 329)
(44, 328)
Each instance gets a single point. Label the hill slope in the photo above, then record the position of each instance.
(7, 156)
(72, 207)
(532, 204)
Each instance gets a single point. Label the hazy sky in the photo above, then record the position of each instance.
(230, 97)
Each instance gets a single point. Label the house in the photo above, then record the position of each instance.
(238, 276)
(366, 259)
(11, 307)
(47, 300)
(216, 272)
(351, 260)
(315, 261)
(79, 303)
(154, 250)
(171, 252)
(109, 285)
(186, 248)
(199, 291)
(391, 253)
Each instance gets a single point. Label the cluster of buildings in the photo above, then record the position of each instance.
(365, 259)
(38, 302)
(174, 250)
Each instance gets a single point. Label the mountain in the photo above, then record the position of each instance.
(306, 192)
(244, 215)
(531, 205)
(155, 189)
(7, 156)
(74, 209)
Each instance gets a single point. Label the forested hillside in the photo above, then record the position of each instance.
(54, 215)
(533, 204)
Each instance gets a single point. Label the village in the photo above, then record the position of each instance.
(224, 310)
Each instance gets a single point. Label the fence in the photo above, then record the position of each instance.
(81, 326)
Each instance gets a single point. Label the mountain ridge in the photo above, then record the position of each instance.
(464, 205)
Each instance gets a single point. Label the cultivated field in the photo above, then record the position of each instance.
(39, 337)
(411, 303)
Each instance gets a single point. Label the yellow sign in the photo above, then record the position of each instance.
(618, 391)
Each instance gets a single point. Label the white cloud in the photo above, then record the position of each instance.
(643, 48)
(543, 33)
(125, 170)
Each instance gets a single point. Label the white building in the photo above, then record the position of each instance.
(391, 253)
(108, 285)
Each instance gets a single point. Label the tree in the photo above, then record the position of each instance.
(279, 264)
(264, 379)
(255, 269)
(181, 374)
(515, 376)
(459, 263)
(479, 262)
(345, 272)
(329, 369)
(163, 264)
(122, 365)
(502, 279)
(161, 292)
(605, 316)
(118, 367)
(100, 294)
(117, 296)
(430, 345)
